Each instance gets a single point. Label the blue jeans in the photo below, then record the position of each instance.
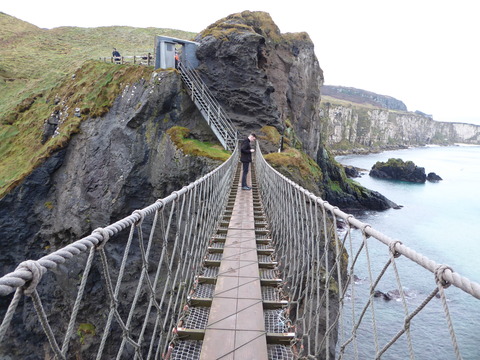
(244, 174)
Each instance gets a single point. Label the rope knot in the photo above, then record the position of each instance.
(332, 210)
(439, 271)
(161, 202)
(347, 220)
(105, 237)
(142, 216)
(177, 195)
(37, 272)
(392, 245)
(363, 229)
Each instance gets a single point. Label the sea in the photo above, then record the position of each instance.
(439, 220)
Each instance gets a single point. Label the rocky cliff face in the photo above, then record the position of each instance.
(117, 163)
(263, 77)
(351, 127)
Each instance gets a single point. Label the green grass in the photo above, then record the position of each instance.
(93, 90)
(292, 159)
(365, 107)
(247, 21)
(33, 60)
(36, 67)
(179, 136)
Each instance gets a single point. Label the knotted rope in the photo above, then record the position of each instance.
(300, 221)
(184, 221)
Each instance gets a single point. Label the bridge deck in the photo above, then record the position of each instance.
(236, 328)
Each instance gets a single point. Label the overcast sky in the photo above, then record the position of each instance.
(423, 52)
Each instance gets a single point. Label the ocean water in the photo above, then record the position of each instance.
(440, 221)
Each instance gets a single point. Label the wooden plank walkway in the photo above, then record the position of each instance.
(236, 328)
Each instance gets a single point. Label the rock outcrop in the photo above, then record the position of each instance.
(264, 78)
(432, 177)
(116, 164)
(397, 169)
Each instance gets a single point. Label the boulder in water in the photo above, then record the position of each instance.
(397, 169)
(432, 177)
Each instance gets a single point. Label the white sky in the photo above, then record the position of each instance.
(423, 52)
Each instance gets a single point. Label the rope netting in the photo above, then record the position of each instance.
(118, 292)
(337, 271)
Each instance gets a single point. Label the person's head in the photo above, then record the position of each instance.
(252, 137)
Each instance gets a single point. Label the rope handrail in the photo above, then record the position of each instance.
(449, 276)
(320, 251)
(170, 238)
(22, 275)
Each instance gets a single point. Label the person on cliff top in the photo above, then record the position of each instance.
(177, 59)
(116, 55)
(246, 158)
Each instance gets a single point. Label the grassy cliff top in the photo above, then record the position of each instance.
(42, 71)
(354, 104)
(259, 22)
(33, 60)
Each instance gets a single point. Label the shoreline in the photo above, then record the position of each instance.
(367, 151)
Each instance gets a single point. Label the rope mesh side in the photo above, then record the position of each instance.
(335, 268)
(124, 286)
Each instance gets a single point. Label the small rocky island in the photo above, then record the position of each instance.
(397, 169)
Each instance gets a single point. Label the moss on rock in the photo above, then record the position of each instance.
(180, 137)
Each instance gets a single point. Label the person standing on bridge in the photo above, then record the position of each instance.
(246, 158)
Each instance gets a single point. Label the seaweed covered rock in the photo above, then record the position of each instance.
(397, 169)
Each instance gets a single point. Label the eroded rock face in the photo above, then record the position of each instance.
(377, 129)
(263, 77)
(116, 164)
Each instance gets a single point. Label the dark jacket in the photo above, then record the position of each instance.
(246, 154)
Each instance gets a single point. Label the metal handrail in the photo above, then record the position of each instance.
(209, 107)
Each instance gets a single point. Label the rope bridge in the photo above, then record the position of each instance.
(143, 289)
(322, 252)
(121, 290)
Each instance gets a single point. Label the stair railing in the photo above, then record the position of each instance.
(211, 110)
